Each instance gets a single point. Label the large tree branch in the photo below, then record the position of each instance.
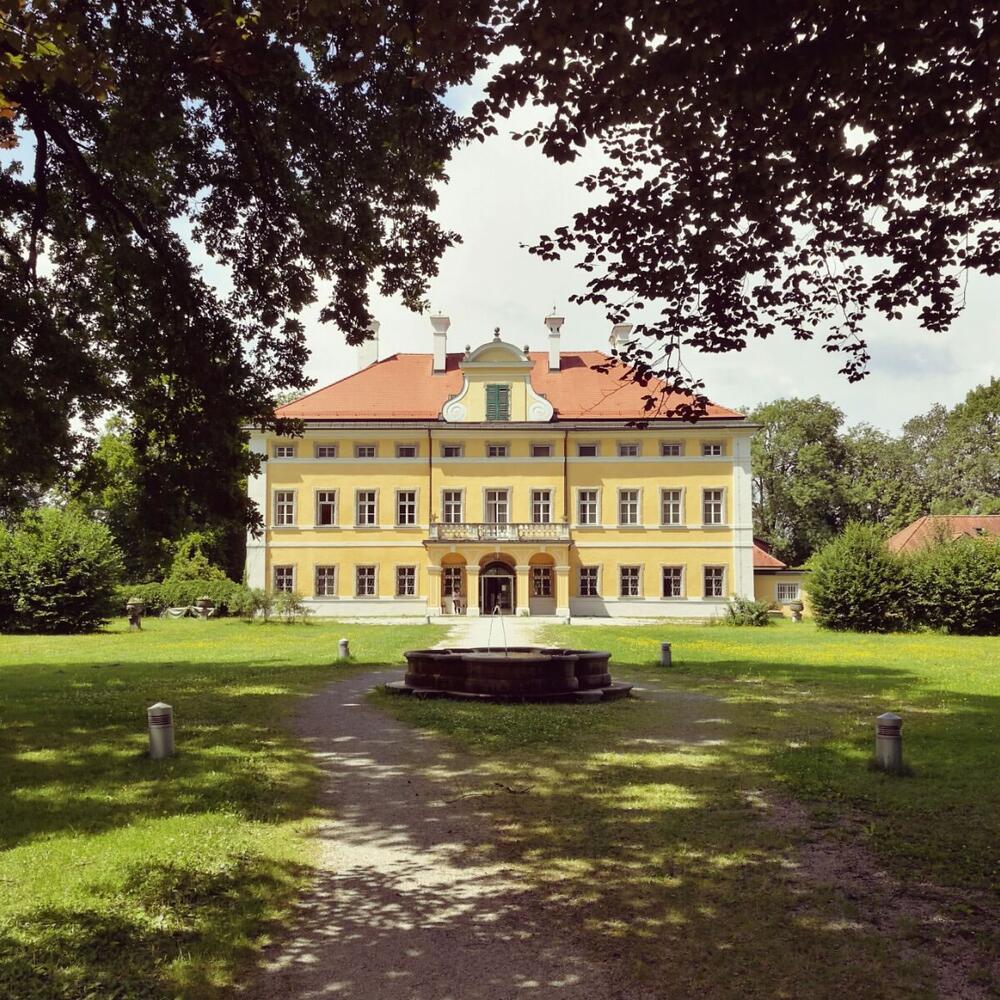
(40, 207)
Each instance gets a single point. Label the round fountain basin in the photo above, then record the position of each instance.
(518, 673)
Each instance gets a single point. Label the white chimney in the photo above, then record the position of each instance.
(554, 323)
(368, 350)
(440, 326)
(619, 335)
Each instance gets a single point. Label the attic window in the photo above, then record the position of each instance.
(498, 402)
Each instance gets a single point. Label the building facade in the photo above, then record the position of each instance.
(500, 478)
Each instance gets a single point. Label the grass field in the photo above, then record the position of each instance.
(641, 820)
(121, 877)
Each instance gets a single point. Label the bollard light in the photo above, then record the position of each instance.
(343, 650)
(666, 655)
(161, 730)
(889, 743)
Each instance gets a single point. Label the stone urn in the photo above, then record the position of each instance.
(134, 610)
(205, 606)
(796, 608)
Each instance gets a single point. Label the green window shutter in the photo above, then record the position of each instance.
(498, 402)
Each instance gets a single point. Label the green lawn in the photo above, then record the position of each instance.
(121, 877)
(639, 816)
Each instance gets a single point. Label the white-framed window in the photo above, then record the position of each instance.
(452, 450)
(541, 506)
(588, 507)
(326, 507)
(671, 506)
(712, 506)
(326, 451)
(365, 451)
(452, 506)
(366, 507)
(541, 581)
(406, 451)
(673, 581)
(284, 451)
(711, 448)
(365, 581)
(326, 581)
(629, 581)
(497, 449)
(715, 581)
(586, 450)
(284, 579)
(498, 402)
(628, 507)
(671, 449)
(541, 450)
(451, 581)
(406, 506)
(787, 592)
(406, 581)
(284, 507)
(628, 449)
(498, 506)
(589, 577)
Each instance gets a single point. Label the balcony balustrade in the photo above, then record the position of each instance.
(484, 532)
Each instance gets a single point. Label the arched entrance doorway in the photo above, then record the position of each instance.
(497, 589)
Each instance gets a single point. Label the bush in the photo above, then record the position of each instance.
(857, 584)
(956, 586)
(289, 606)
(190, 561)
(229, 597)
(743, 611)
(58, 573)
(253, 602)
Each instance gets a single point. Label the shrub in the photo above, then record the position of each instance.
(956, 586)
(857, 584)
(58, 572)
(190, 561)
(289, 606)
(253, 602)
(743, 611)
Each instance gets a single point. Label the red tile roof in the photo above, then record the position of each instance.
(762, 558)
(930, 528)
(403, 387)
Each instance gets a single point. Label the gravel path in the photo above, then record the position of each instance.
(405, 906)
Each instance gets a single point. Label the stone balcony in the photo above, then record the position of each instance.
(485, 532)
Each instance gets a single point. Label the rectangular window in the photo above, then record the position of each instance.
(284, 579)
(586, 450)
(628, 506)
(451, 506)
(712, 506)
(452, 450)
(671, 504)
(628, 449)
(588, 581)
(629, 577)
(541, 506)
(451, 581)
(326, 507)
(365, 507)
(364, 451)
(541, 451)
(326, 581)
(406, 451)
(364, 581)
(787, 592)
(671, 449)
(498, 402)
(284, 507)
(284, 451)
(406, 507)
(326, 451)
(406, 581)
(709, 448)
(588, 507)
(673, 581)
(541, 581)
(498, 507)
(497, 451)
(715, 581)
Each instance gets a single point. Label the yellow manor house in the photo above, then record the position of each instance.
(503, 478)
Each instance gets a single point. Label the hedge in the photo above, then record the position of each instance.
(956, 586)
(228, 596)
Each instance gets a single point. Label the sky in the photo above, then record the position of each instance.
(501, 195)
